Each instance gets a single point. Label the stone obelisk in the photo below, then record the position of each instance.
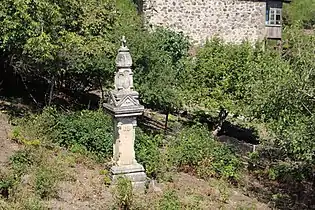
(124, 106)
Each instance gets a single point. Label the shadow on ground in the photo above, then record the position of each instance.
(282, 195)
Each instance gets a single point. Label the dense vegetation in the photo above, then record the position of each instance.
(54, 47)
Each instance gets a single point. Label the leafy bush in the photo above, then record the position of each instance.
(93, 130)
(124, 193)
(223, 164)
(288, 109)
(45, 182)
(261, 85)
(196, 148)
(83, 130)
(234, 77)
(191, 146)
(6, 184)
(169, 201)
(288, 172)
(21, 159)
(148, 152)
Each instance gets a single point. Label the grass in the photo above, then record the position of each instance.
(39, 185)
(32, 177)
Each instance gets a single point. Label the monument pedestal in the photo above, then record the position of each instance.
(135, 173)
(124, 154)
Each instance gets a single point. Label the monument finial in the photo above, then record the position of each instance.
(123, 41)
(123, 59)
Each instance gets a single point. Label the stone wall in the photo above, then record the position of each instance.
(232, 20)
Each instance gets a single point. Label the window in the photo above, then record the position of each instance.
(274, 16)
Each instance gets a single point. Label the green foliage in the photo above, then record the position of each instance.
(79, 131)
(20, 164)
(107, 179)
(294, 125)
(157, 67)
(124, 193)
(300, 11)
(196, 148)
(33, 161)
(148, 152)
(225, 75)
(54, 39)
(22, 160)
(260, 85)
(33, 204)
(45, 181)
(6, 184)
(169, 201)
(191, 146)
(290, 171)
(92, 130)
(223, 164)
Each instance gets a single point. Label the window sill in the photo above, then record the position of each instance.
(273, 25)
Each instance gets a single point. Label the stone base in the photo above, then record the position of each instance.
(135, 173)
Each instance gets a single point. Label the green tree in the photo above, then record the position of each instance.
(157, 67)
(66, 43)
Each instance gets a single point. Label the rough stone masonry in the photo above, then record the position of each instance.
(231, 20)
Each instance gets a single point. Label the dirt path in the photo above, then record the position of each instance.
(7, 147)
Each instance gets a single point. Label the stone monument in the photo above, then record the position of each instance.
(124, 106)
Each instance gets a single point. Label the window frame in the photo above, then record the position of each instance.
(273, 14)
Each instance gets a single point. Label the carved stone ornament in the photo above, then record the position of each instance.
(123, 99)
(123, 59)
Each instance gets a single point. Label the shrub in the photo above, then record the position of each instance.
(93, 130)
(196, 148)
(148, 152)
(22, 160)
(124, 193)
(45, 182)
(157, 68)
(262, 86)
(300, 11)
(170, 201)
(82, 130)
(191, 146)
(6, 184)
(221, 163)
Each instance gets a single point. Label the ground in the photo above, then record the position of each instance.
(84, 185)
(7, 147)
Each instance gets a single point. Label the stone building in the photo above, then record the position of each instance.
(231, 20)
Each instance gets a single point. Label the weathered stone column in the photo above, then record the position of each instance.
(124, 106)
